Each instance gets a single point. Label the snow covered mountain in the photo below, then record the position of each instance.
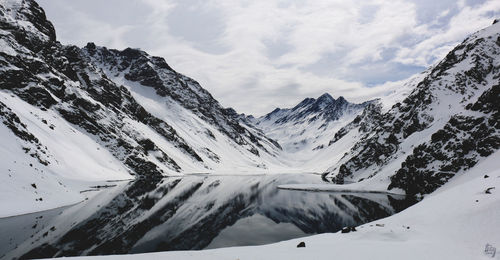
(75, 115)
(306, 129)
(448, 123)
(300, 126)
(92, 113)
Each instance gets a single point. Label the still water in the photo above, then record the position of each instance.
(192, 212)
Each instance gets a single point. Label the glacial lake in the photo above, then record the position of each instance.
(189, 213)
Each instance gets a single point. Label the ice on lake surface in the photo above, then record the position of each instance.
(191, 212)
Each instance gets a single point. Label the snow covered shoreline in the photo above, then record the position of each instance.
(80, 192)
(14, 209)
(73, 119)
(333, 188)
(455, 222)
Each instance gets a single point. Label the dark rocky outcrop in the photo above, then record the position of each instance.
(471, 131)
(456, 147)
(71, 81)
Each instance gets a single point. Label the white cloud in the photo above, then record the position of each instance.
(256, 55)
(438, 42)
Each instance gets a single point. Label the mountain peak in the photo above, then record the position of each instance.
(322, 102)
(90, 46)
(132, 53)
(27, 20)
(325, 98)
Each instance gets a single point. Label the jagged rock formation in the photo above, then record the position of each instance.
(324, 107)
(95, 113)
(365, 122)
(82, 86)
(437, 131)
(120, 112)
(305, 126)
(458, 146)
(137, 66)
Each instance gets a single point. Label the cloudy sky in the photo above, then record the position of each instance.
(255, 55)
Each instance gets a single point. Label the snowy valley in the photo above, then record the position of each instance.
(118, 147)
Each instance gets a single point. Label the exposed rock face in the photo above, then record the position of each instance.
(155, 121)
(137, 66)
(449, 130)
(366, 121)
(324, 107)
(33, 20)
(31, 145)
(308, 126)
(93, 89)
(459, 145)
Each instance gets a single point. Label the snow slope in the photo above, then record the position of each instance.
(447, 124)
(305, 130)
(71, 162)
(72, 116)
(427, 230)
(75, 115)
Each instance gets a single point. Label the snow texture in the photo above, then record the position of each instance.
(428, 230)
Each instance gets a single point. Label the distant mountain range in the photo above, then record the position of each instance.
(309, 125)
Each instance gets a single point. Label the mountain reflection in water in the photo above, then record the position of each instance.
(192, 212)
